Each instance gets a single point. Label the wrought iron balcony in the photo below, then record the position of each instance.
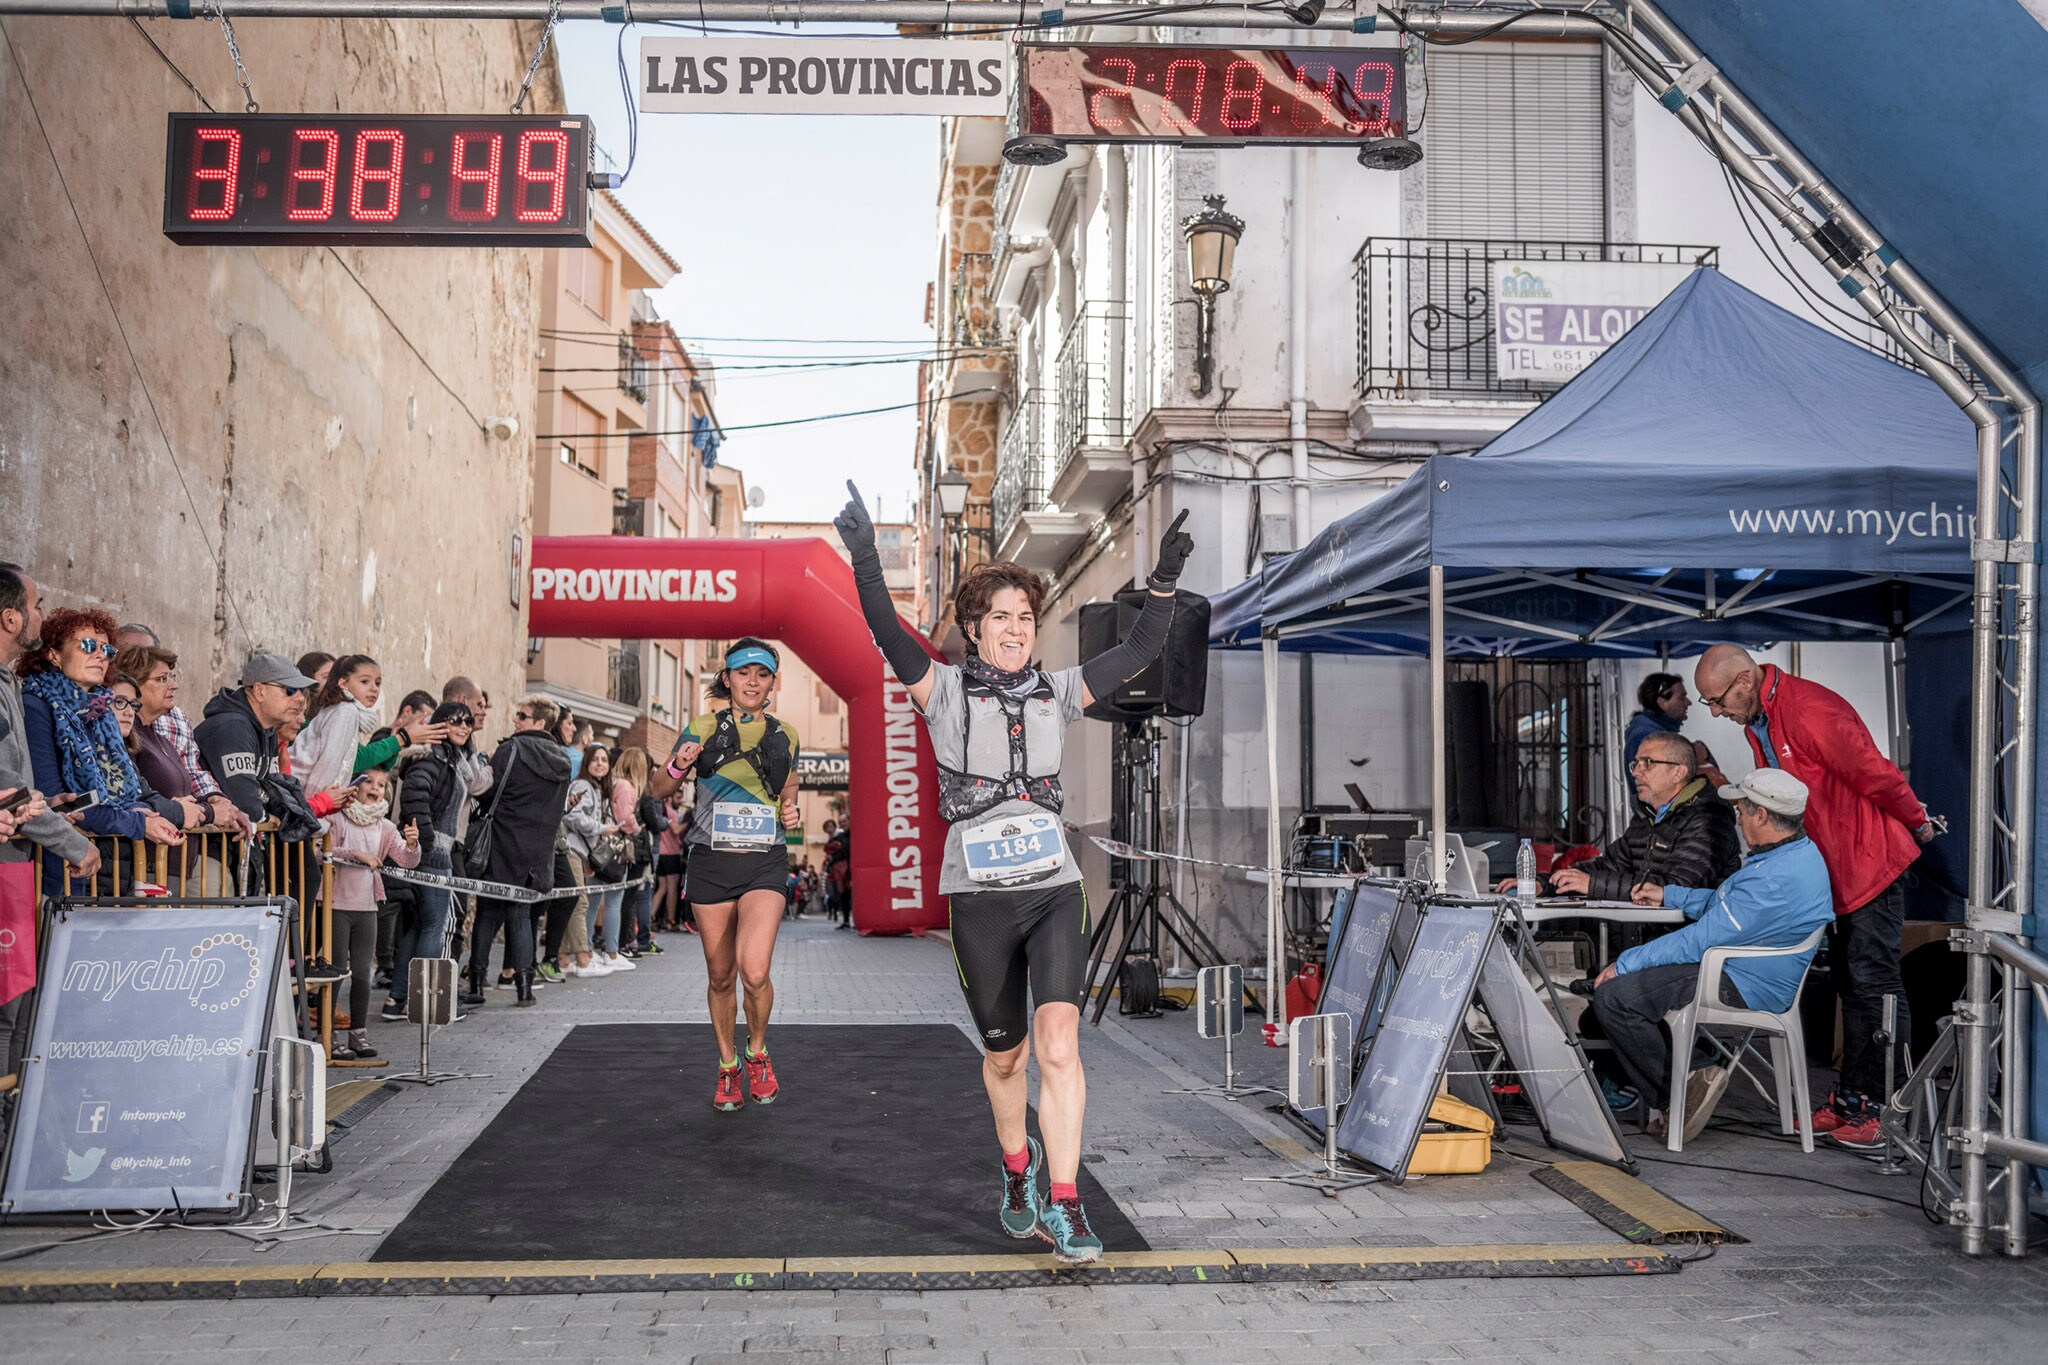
(632, 370)
(1089, 381)
(1021, 474)
(1426, 310)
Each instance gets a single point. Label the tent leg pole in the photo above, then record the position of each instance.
(1895, 704)
(1276, 890)
(1438, 773)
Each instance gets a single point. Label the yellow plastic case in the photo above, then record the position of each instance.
(1462, 1146)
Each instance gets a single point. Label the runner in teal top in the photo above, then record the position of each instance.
(744, 763)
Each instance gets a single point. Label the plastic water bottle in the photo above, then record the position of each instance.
(1525, 871)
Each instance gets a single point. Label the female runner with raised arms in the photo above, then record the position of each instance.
(745, 765)
(1018, 910)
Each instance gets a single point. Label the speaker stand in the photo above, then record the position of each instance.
(1141, 899)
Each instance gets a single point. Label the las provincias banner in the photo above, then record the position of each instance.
(139, 1090)
(823, 76)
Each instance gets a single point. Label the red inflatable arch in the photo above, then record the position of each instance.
(799, 592)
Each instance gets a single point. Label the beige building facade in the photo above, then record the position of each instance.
(283, 448)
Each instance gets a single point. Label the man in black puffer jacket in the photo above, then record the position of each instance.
(1684, 836)
(524, 808)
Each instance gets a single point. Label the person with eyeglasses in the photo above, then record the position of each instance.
(1869, 826)
(238, 735)
(74, 734)
(1663, 707)
(1681, 831)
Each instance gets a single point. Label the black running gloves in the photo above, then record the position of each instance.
(1112, 668)
(898, 645)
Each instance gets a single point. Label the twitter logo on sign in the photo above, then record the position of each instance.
(77, 1167)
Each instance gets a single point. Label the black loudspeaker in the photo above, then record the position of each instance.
(1177, 682)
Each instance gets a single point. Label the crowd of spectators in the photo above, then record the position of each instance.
(98, 757)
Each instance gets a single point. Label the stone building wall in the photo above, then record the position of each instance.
(331, 484)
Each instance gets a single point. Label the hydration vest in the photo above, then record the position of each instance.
(771, 758)
(964, 794)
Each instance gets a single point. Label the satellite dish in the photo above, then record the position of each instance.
(757, 497)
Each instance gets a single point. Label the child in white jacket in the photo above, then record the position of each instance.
(363, 839)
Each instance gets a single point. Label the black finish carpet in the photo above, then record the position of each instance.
(879, 1144)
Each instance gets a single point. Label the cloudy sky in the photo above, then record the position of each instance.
(803, 241)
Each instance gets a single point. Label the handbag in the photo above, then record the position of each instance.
(476, 858)
(611, 856)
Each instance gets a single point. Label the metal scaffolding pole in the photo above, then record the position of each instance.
(1708, 104)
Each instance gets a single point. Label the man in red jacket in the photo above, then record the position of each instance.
(1868, 826)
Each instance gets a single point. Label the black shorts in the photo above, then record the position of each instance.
(718, 875)
(670, 865)
(1006, 940)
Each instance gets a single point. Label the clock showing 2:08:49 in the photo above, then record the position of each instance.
(1111, 92)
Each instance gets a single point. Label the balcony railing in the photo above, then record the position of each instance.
(632, 370)
(971, 321)
(622, 680)
(1021, 474)
(1425, 309)
(1089, 377)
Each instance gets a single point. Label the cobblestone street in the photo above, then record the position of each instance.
(1848, 1267)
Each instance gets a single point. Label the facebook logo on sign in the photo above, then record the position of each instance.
(92, 1116)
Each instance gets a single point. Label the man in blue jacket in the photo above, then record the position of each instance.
(1778, 897)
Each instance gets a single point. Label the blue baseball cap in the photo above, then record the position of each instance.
(750, 654)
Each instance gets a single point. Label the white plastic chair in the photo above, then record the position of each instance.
(1788, 1040)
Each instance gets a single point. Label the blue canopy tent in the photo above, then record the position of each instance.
(1726, 471)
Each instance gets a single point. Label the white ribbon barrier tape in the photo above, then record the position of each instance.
(497, 891)
(1117, 849)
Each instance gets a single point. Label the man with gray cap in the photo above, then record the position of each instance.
(1778, 897)
(238, 738)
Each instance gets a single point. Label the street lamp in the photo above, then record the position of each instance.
(952, 488)
(1212, 237)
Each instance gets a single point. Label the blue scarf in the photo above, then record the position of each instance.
(90, 754)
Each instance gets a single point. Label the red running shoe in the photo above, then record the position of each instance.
(1829, 1117)
(728, 1097)
(761, 1082)
(1860, 1132)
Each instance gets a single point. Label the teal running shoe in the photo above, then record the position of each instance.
(1066, 1226)
(1020, 1195)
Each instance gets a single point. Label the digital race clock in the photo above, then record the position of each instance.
(1285, 95)
(411, 180)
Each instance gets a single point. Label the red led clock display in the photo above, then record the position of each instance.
(1286, 95)
(412, 180)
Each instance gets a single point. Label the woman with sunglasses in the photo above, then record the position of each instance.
(74, 738)
(431, 791)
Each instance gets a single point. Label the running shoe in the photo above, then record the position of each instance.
(1860, 1131)
(654, 948)
(1831, 1115)
(393, 1012)
(1020, 1195)
(1620, 1098)
(619, 963)
(1064, 1223)
(728, 1097)
(550, 972)
(761, 1082)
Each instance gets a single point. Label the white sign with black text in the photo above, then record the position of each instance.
(823, 76)
(1552, 319)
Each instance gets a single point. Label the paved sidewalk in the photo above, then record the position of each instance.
(1846, 1268)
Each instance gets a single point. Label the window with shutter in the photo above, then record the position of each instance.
(1516, 143)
